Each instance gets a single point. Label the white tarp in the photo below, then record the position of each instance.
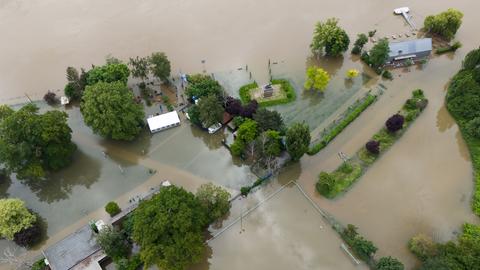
(163, 121)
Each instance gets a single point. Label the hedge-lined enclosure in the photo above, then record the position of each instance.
(332, 184)
(285, 87)
(358, 108)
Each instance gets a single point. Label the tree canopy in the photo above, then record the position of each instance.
(317, 79)
(159, 65)
(297, 140)
(329, 37)
(14, 217)
(110, 110)
(268, 120)
(389, 263)
(378, 54)
(113, 243)
(200, 85)
(247, 131)
(109, 73)
(444, 24)
(169, 229)
(211, 110)
(140, 67)
(214, 199)
(31, 143)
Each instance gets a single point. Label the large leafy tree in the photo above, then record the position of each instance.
(329, 37)
(110, 72)
(247, 131)
(32, 144)
(317, 79)
(169, 229)
(159, 65)
(200, 85)
(378, 54)
(211, 110)
(214, 199)
(14, 217)
(110, 110)
(113, 242)
(268, 120)
(297, 140)
(444, 24)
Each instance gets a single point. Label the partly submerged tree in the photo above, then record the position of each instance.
(389, 263)
(169, 229)
(352, 73)
(160, 65)
(111, 111)
(297, 140)
(140, 67)
(329, 37)
(14, 217)
(211, 110)
(109, 73)
(113, 243)
(76, 83)
(317, 79)
(200, 85)
(378, 54)
(31, 143)
(269, 120)
(214, 199)
(444, 24)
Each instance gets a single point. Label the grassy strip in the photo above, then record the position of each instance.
(285, 86)
(450, 48)
(332, 184)
(342, 125)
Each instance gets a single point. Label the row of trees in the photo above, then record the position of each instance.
(444, 24)
(169, 228)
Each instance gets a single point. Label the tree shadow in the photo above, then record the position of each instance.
(313, 97)
(127, 153)
(212, 141)
(290, 172)
(444, 120)
(84, 171)
(5, 182)
(330, 64)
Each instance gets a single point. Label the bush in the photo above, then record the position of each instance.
(444, 24)
(363, 248)
(365, 58)
(356, 50)
(237, 148)
(422, 246)
(418, 93)
(372, 33)
(40, 265)
(50, 98)
(387, 75)
(389, 263)
(29, 236)
(362, 39)
(245, 190)
(326, 183)
(395, 123)
(373, 147)
(133, 263)
(411, 115)
(112, 208)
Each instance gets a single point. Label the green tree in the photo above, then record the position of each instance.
(247, 131)
(113, 243)
(317, 79)
(378, 54)
(326, 183)
(14, 217)
(140, 67)
(200, 85)
(32, 143)
(297, 140)
(362, 39)
(472, 59)
(237, 148)
(271, 143)
(194, 115)
(214, 199)
(211, 110)
(422, 246)
(363, 247)
(389, 263)
(269, 120)
(329, 37)
(169, 229)
(444, 24)
(159, 66)
(110, 110)
(108, 73)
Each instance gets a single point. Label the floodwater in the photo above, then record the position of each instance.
(423, 184)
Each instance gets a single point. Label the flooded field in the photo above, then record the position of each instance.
(285, 232)
(423, 184)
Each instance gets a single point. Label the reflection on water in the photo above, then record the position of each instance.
(330, 64)
(5, 182)
(444, 120)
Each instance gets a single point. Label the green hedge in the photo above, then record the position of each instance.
(333, 184)
(245, 190)
(343, 124)
(285, 86)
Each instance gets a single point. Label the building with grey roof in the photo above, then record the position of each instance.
(78, 250)
(411, 49)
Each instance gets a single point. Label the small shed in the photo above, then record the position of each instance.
(411, 49)
(163, 121)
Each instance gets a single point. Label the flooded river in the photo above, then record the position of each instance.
(423, 184)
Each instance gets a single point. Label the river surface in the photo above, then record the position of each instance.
(422, 184)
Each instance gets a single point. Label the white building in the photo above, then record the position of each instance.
(163, 121)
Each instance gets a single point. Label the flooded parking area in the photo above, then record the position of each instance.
(285, 232)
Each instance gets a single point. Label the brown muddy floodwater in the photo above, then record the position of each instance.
(423, 184)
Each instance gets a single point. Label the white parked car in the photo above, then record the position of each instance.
(214, 128)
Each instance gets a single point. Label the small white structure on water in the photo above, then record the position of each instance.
(64, 100)
(163, 121)
(403, 11)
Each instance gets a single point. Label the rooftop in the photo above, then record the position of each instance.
(163, 120)
(72, 250)
(410, 47)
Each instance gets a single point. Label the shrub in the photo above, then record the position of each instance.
(112, 208)
(356, 50)
(39, 265)
(444, 24)
(50, 98)
(473, 127)
(133, 263)
(411, 115)
(372, 33)
(237, 148)
(421, 104)
(238, 120)
(363, 247)
(362, 39)
(325, 184)
(410, 104)
(395, 123)
(389, 263)
(422, 246)
(29, 236)
(245, 190)
(365, 58)
(373, 147)
(387, 75)
(418, 93)
(71, 92)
